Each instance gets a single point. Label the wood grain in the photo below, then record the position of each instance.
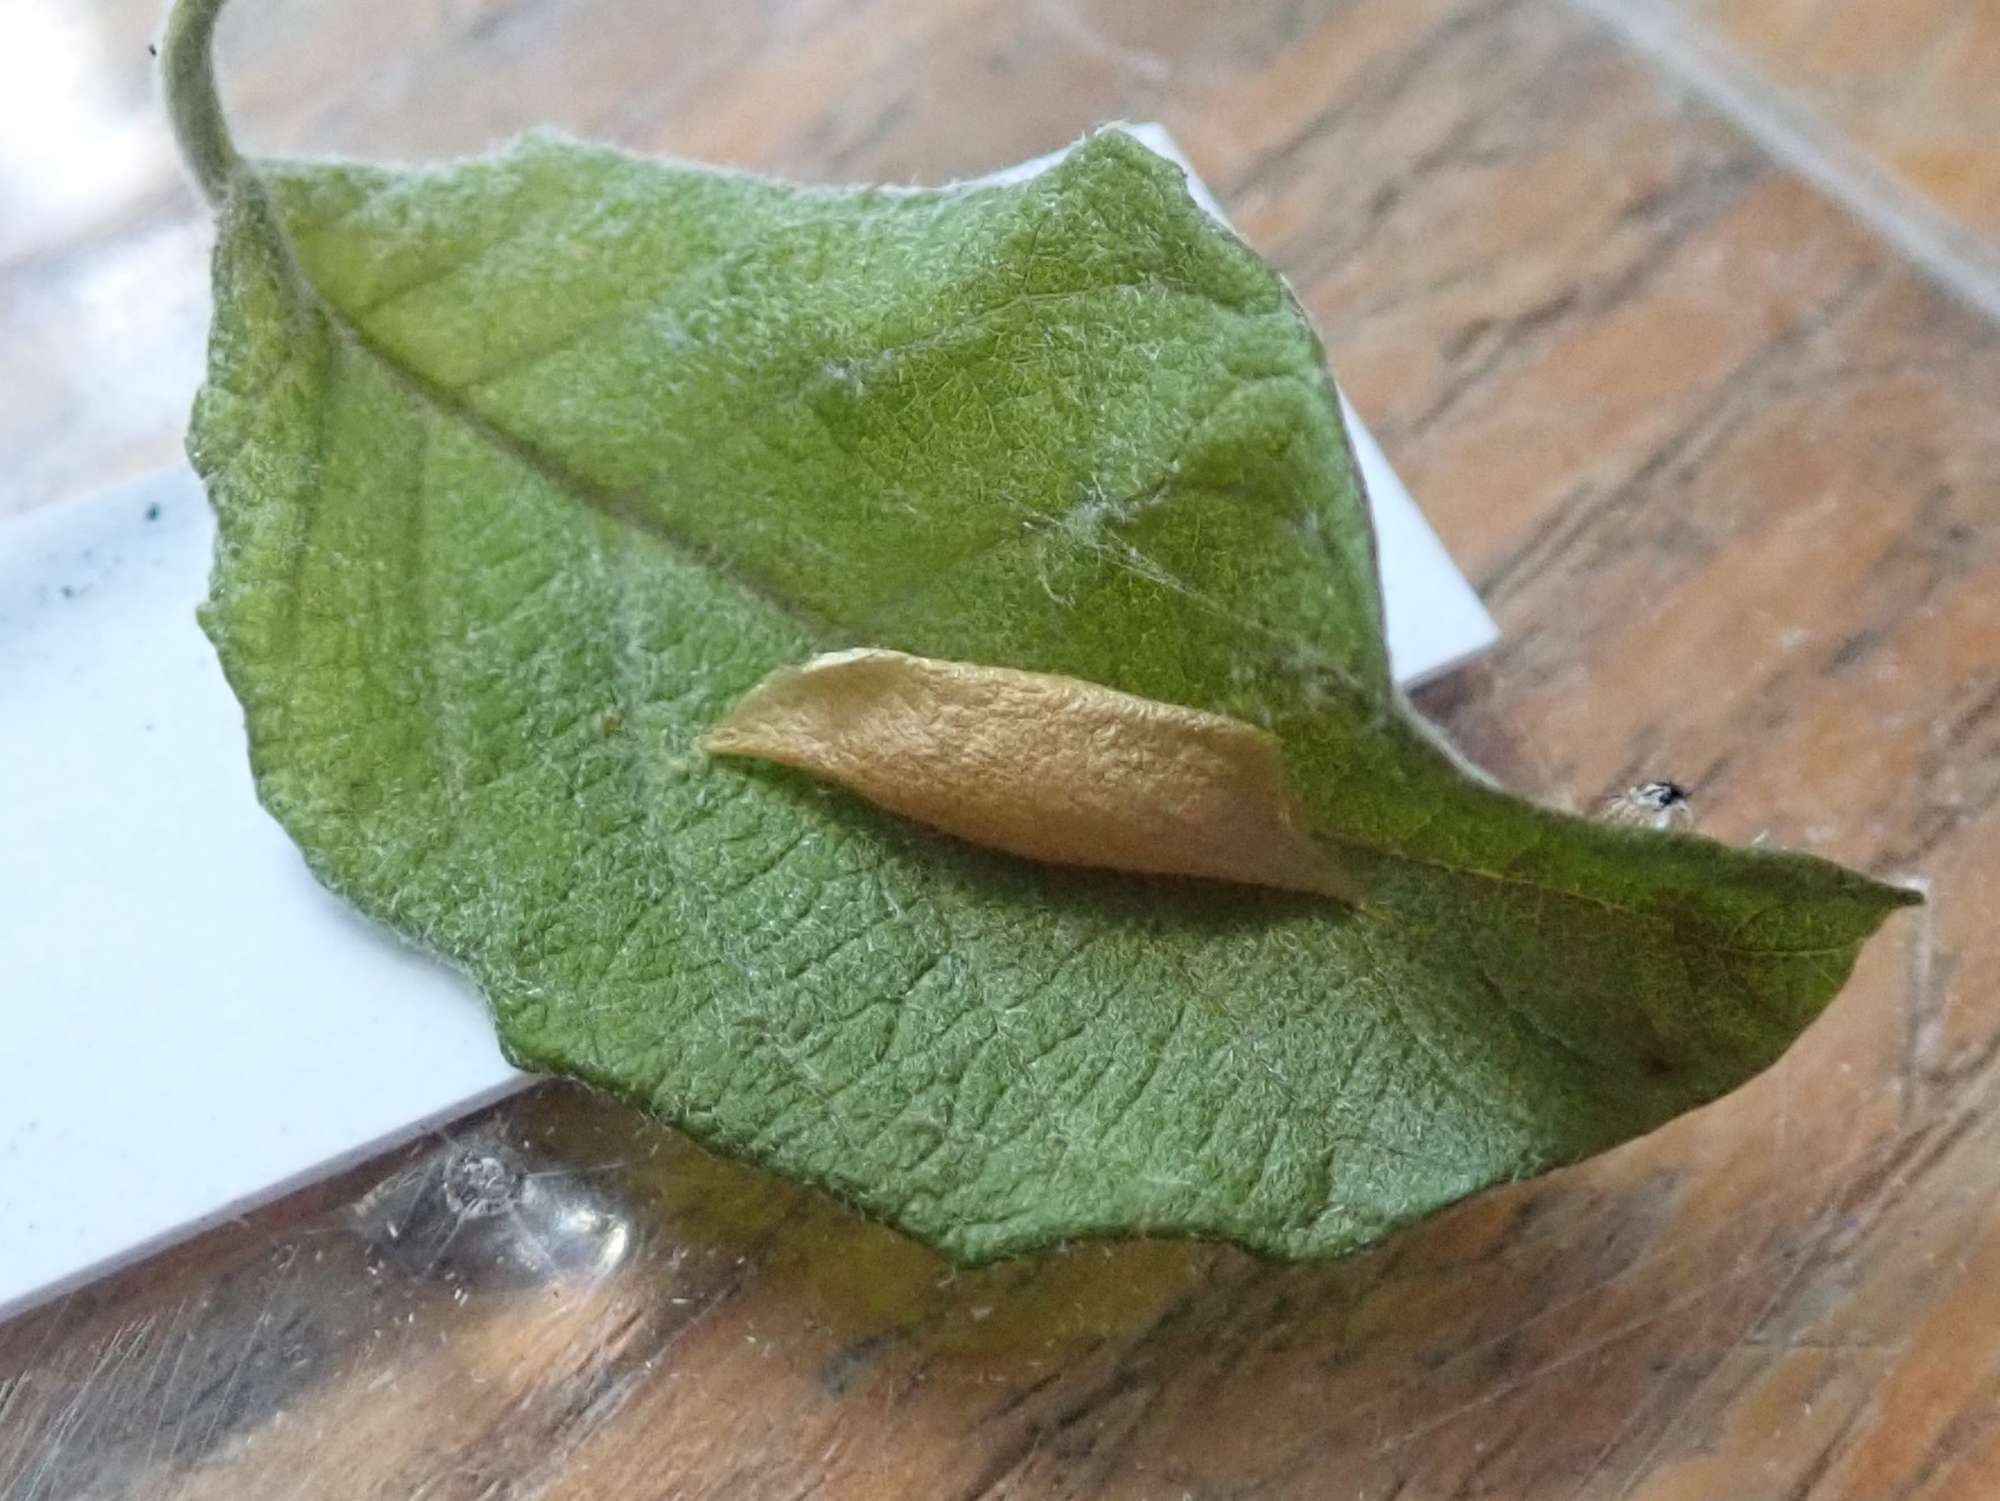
(1729, 475)
(1915, 83)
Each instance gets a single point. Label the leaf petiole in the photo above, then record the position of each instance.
(187, 82)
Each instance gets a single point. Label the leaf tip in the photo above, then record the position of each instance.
(1909, 891)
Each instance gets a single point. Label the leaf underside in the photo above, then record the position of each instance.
(526, 469)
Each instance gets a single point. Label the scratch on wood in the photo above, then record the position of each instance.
(1926, 1007)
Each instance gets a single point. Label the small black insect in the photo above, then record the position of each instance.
(1653, 805)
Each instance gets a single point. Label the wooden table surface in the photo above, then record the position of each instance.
(1680, 320)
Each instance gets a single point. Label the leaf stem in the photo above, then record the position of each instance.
(187, 81)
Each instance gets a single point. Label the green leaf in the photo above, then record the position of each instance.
(528, 468)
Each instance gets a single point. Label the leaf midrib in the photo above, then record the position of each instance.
(823, 630)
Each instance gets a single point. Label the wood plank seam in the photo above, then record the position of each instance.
(1799, 140)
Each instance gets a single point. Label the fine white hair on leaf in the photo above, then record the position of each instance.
(1047, 767)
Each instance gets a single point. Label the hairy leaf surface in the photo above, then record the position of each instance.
(528, 468)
